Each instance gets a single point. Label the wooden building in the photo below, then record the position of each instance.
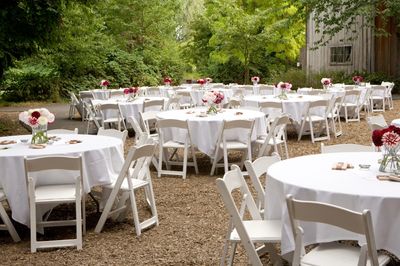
(367, 52)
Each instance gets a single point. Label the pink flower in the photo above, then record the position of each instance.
(167, 80)
(326, 81)
(33, 121)
(358, 79)
(286, 86)
(390, 139)
(134, 90)
(255, 79)
(104, 83)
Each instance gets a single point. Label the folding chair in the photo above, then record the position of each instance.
(333, 253)
(334, 115)
(225, 144)
(247, 232)
(351, 103)
(111, 114)
(165, 144)
(256, 170)
(187, 100)
(376, 122)
(266, 89)
(6, 220)
(348, 147)
(56, 194)
(378, 97)
(122, 135)
(91, 116)
(317, 112)
(135, 174)
(153, 105)
(388, 95)
(74, 106)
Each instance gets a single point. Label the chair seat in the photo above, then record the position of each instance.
(55, 193)
(332, 254)
(261, 231)
(173, 144)
(111, 120)
(261, 141)
(315, 118)
(136, 183)
(234, 145)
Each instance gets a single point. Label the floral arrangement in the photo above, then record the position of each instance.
(389, 138)
(284, 87)
(37, 119)
(255, 80)
(209, 80)
(201, 81)
(326, 82)
(104, 84)
(167, 81)
(131, 92)
(358, 79)
(212, 98)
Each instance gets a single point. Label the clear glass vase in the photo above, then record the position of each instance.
(212, 109)
(390, 162)
(39, 134)
(282, 95)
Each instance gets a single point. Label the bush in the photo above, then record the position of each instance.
(31, 80)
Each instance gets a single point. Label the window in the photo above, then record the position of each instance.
(341, 55)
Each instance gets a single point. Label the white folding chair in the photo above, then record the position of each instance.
(224, 143)
(63, 131)
(234, 103)
(113, 133)
(7, 224)
(378, 97)
(376, 122)
(173, 103)
(272, 109)
(347, 147)
(317, 112)
(153, 91)
(74, 105)
(149, 119)
(333, 253)
(388, 95)
(186, 99)
(247, 89)
(334, 115)
(256, 170)
(91, 116)
(276, 135)
(165, 144)
(153, 105)
(56, 194)
(116, 93)
(351, 105)
(111, 114)
(135, 174)
(266, 89)
(248, 232)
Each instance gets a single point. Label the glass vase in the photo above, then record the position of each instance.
(390, 162)
(39, 134)
(283, 95)
(212, 109)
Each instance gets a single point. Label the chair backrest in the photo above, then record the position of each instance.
(113, 133)
(378, 121)
(312, 211)
(86, 95)
(153, 91)
(63, 131)
(136, 127)
(116, 93)
(348, 147)
(153, 105)
(173, 103)
(74, 99)
(247, 89)
(271, 108)
(275, 131)
(266, 89)
(234, 103)
(256, 170)
(352, 96)
(68, 163)
(138, 159)
(317, 105)
(233, 181)
(110, 110)
(166, 123)
(186, 95)
(146, 117)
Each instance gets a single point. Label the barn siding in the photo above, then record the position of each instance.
(318, 60)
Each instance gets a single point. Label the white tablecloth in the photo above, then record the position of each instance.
(204, 130)
(102, 160)
(129, 108)
(294, 106)
(311, 178)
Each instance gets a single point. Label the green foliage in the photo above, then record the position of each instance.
(31, 80)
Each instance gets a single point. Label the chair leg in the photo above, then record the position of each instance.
(160, 159)
(226, 163)
(79, 209)
(233, 251)
(135, 213)
(214, 165)
(33, 225)
(301, 129)
(196, 168)
(311, 130)
(84, 213)
(10, 227)
(185, 161)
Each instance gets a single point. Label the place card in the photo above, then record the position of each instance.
(238, 113)
(6, 142)
(388, 178)
(37, 146)
(342, 166)
(74, 141)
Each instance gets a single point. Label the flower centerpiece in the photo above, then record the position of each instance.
(201, 82)
(167, 81)
(131, 93)
(284, 88)
(389, 138)
(358, 79)
(104, 84)
(255, 80)
(37, 119)
(209, 80)
(326, 82)
(212, 99)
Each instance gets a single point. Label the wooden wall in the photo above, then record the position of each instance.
(387, 48)
(362, 52)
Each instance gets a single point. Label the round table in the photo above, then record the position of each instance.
(294, 106)
(102, 159)
(204, 128)
(312, 178)
(197, 94)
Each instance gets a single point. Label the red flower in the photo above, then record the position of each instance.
(134, 89)
(33, 121)
(126, 91)
(201, 81)
(167, 80)
(35, 114)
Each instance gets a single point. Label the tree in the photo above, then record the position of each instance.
(332, 16)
